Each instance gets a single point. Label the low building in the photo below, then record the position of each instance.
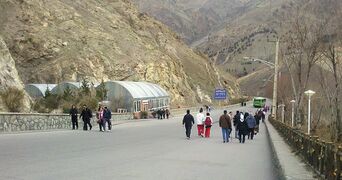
(136, 96)
(38, 90)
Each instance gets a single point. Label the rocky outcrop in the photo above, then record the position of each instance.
(62, 40)
(9, 75)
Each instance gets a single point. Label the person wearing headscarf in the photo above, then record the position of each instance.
(242, 128)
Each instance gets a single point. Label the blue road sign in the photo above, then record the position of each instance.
(220, 94)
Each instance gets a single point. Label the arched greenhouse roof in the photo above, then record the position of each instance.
(140, 90)
(62, 86)
(38, 90)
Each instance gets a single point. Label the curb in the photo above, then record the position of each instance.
(276, 162)
(288, 165)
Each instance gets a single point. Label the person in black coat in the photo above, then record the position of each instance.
(243, 129)
(107, 116)
(86, 114)
(73, 113)
(188, 121)
(235, 122)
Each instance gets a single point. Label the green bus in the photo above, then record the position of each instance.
(259, 102)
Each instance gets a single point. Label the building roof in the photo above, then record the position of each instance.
(41, 88)
(62, 86)
(140, 90)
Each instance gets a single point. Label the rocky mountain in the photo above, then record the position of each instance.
(9, 76)
(193, 19)
(61, 40)
(224, 30)
(229, 30)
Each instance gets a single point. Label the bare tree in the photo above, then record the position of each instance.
(302, 53)
(313, 40)
(332, 62)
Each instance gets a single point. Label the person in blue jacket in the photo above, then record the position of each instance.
(251, 123)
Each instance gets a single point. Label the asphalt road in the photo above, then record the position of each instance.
(155, 149)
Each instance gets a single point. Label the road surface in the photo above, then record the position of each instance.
(155, 149)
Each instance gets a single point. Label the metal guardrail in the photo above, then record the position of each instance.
(324, 157)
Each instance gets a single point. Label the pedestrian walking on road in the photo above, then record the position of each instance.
(226, 125)
(257, 117)
(230, 114)
(236, 120)
(107, 116)
(167, 111)
(242, 128)
(200, 122)
(163, 113)
(159, 114)
(251, 122)
(73, 113)
(263, 116)
(99, 117)
(188, 121)
(86, 115)
(208, 122)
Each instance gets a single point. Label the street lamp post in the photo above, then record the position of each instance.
(309, 93)
(292, 113)
(282, 106)
(275, 82)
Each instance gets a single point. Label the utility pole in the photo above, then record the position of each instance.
(275, 82)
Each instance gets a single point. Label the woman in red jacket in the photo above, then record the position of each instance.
(208, 122)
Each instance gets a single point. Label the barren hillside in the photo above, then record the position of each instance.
(62, 40)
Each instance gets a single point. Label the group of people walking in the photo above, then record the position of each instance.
(163, 113)
(203, 122)
(246, 124)
(103, 116)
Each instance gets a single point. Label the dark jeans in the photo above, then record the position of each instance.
(101, 124)
(236, 132)
(87, 122)
(250, 133)
(188, 131)
(109, 122)
(242, 137)
(74, 124)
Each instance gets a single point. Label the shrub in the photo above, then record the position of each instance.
(101, 91)
(237, 100)
(85, 87)
(143, 114)
(13, 99)
(51, 102)
(66, 106)
(91, 102)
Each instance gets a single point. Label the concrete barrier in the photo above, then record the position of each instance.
(16, 122)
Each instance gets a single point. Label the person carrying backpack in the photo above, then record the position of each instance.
(208, 122)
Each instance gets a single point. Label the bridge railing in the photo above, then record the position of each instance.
(324, 157)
